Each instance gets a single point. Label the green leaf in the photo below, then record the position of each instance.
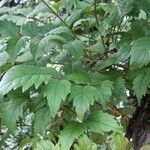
(108, 62)
(21, 43)
(11, 47)
(144, 5)
(70, 133)
(17, 19)
(56, 39)
(119, 142)
(45, 45)
(42, 120)
(140, 52)
(8, 28)
(75, 48)
(141, 83)
(84, 143)
(56, 91)
(105, 91)
(102, 122)
(125, 6)
(95, 78)
(119, 89)
(73, 17)
(78, 78)
(59, 30)
(98, 47)
(44, 145)
(40, 8)
(124, 52)
(26, 57)
(34, 47)
(3, 58)
(82, 97)
(12, 111)
(26, 76)
(30, 29)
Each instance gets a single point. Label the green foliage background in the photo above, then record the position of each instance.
(71, 64)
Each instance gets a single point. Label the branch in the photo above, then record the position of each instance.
(119, 113)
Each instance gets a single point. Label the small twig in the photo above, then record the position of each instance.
(51, 9)
(119, 113)
(116, 112)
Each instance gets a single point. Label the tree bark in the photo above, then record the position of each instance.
(139, 125)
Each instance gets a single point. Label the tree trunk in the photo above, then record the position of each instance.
(139, 126)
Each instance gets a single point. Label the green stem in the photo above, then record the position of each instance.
(95, 13)
(54, 13)
(96, 18)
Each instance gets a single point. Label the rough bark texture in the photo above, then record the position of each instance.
(139, 126)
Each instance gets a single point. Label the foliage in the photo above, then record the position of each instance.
(71, 64)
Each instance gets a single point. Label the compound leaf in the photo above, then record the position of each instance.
(82, 97)
(26, 76)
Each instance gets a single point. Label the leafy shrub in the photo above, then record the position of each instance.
(74, 66)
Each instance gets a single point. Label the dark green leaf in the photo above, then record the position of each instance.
(78, 78)
(85, 143)
(98, 47)
(56, 91)
(44, 145)
(140, 52)
(70, 132)
(105, 91)
(11, 47)
(42, 120)
(120, 142)
(12, 111)
(75, 48)
(119, 89)
(141, 83)
(102, 122)
(8, 28)
(82, 97)
(30, 29)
